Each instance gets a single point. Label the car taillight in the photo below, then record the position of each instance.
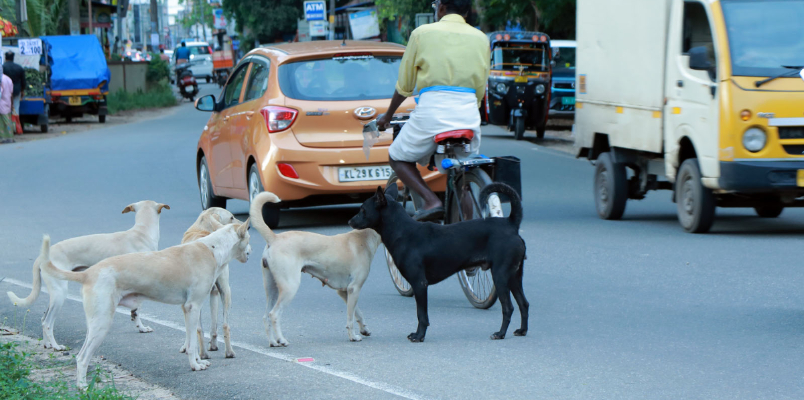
(278, 119)
(210, 49)
(287, 170)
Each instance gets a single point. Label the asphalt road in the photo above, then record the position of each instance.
(635, 309)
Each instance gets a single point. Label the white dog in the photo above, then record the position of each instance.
(85, 251)
(341, 262)
(182, 274)
(210, 221)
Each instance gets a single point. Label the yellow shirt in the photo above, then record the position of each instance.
(449, 52)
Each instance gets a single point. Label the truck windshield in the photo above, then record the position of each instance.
(765, 36)
(513, 56)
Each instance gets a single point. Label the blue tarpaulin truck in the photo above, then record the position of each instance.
(78, 78)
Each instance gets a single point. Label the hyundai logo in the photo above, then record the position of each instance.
(365, 112)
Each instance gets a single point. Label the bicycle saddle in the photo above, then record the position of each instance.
(460, 134)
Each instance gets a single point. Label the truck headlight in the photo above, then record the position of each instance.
(754, 139)
(540, 89)
(502, 88)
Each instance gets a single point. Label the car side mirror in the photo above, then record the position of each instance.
(699, 59)
(205, 103)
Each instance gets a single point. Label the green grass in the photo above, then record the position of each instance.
(16, 384)
(159, 96)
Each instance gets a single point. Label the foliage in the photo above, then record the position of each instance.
(158, 69)
(204, 16)
(160, 95)
(35, 81)
(554, 17)
(403, 12)
(45, 17)
(266, 20)
(16, 383)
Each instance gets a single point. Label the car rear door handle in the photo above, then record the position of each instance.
(680, 83)
(248, 114)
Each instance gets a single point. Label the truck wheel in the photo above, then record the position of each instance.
(270, 211)
(102, 119)
(540, 131)
(43, 127)
(519, 128)
(69, 118)
(696, 203)
(611, 188)
(769, 211)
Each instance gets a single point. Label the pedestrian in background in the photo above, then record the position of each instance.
(6, 126)
(17, 75)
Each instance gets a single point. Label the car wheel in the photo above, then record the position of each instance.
(769, 211)
(209, 79)
(270, 211)
(208, 198)
(611, 187)
(102, 119)
(696, 203)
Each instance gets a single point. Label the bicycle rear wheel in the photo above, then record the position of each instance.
(476, 283)
(411, 205)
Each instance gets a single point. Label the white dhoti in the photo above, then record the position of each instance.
(436, 112)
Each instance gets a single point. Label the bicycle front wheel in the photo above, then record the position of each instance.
(476, 283)
(411, 205)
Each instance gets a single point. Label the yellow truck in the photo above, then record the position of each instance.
(701, 97)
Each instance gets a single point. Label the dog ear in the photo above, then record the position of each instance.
(129, 208)
(392, 191)
(214, 221)
(242, 230)
(160, 206)
(381, 200)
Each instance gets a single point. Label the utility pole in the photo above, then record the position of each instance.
(154, 22)
(331, 19)
(75, 17)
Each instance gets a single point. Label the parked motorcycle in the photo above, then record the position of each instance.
(186, 82)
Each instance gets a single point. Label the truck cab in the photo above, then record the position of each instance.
(701, 97)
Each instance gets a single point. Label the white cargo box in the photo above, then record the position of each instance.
(620, 69)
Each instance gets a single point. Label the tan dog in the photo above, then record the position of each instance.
(182, 274)
(341, 262)
(210, 221)
(86, 251)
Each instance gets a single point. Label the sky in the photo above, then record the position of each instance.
(173, 6)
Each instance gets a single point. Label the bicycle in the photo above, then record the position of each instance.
(466, 176)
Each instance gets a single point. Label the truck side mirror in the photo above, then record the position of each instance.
(699, 59)
(553, 63)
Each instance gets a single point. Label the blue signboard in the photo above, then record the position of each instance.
(315, 10)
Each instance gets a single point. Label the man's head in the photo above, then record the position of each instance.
(445, 7)
(9, 56)
(183, 44)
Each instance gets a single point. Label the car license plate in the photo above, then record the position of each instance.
(521, 79)
(74, 100)
(568, 101)
(373, 173)
(800, 178)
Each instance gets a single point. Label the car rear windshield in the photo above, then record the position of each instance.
(340, 78)
(199, 49)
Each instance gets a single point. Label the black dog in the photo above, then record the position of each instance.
(427, 253)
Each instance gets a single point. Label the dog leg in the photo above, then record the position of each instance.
(202, 353)
(521, 301)
(358, 315)
(58, 293)
(192, 314)
(420, 294)
(99, 314)
(214, 302)
(271, 294)
(138, 322)
(226, 296)
(287, 290)
(504, 295)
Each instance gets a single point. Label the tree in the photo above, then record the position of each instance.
(45, 17)
(554, 17)
(265, 20)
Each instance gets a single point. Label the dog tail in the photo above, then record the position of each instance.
(516, 203)
(255, 212)
(37, 283)
(51, 269)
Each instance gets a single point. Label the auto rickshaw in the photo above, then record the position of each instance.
(518, 92)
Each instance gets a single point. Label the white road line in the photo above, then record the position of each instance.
(395, 390)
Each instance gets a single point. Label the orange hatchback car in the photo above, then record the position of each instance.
(290, 120)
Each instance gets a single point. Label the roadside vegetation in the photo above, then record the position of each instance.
(158, 95)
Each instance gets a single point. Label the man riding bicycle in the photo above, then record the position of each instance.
(449, 62)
